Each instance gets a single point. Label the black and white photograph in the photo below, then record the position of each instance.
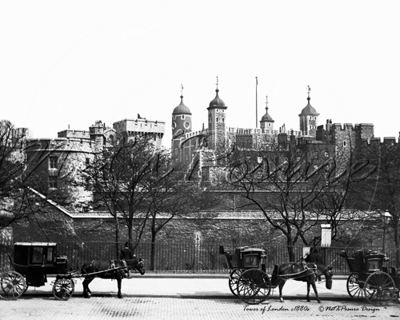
(193, 159)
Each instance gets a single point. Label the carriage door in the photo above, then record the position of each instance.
(36, 276)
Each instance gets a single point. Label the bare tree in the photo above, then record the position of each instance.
(12, 166)
(381, 191)
(296, 188)
(173, 198)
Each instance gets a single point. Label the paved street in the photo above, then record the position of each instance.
(155, 297)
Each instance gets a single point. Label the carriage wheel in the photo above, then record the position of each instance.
(233, 280)
(63, 288)
(382, 288)
(13, 285)
(356, 287)
(254, 286)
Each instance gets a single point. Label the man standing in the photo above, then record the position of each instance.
(126, 254)
(315, 257)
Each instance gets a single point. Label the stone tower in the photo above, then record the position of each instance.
(308, 118)
(96, 133)
(181, 124)
(216, 122)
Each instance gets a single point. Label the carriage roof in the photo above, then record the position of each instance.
(248, 250)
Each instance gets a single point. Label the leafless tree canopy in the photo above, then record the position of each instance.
(297, 188)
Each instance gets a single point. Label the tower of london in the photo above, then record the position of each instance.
(196, 149)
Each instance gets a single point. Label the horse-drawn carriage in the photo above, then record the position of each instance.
(249, 280)
(32, 262)
(371, 280)
(242, 259)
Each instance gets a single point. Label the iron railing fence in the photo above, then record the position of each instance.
(185, 256)
(6, 249)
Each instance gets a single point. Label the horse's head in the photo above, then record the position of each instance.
(327, 271)
(139, 266)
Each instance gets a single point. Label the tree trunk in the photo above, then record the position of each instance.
(129, 225)
(290, 248)
(152, 251)
(117, 238)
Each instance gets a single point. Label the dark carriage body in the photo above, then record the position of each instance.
(365, 261)
(36, 260)
(245, 258)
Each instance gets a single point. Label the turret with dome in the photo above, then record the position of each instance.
(266, 122)
(181, 119)
(308, 118)
(217, 121)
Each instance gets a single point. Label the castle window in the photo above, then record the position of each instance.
(52, 182)
(53, 162)
(344, 143)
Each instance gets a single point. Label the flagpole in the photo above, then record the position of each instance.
(256, 103)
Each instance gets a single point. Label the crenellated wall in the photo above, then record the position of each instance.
(345, 135)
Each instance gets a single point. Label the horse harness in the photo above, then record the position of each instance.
(299, 274)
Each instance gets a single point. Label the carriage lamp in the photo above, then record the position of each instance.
(386, 216)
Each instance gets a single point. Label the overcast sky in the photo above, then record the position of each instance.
(70, 63)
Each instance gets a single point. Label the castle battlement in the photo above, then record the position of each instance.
(346, 126)
(140, 125)
(382, 141)
(73, 134)
(248, 132)
(60, 144)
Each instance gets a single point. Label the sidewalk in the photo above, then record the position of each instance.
(203, 286)
(191, 296)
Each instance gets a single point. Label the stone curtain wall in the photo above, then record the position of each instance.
(53, 226)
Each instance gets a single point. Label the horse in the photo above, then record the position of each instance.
(114, 269)
(307, 272)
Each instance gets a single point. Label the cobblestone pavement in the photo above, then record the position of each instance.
(188, 298)
(109, 307)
